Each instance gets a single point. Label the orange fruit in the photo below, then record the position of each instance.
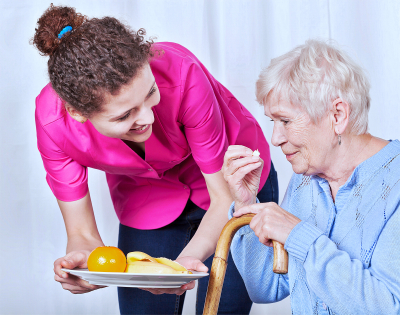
(107, 259)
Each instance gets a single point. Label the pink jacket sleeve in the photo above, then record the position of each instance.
(203, 121)
(67, 178)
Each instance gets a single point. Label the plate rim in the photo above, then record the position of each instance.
(86, 271)
(138, 285)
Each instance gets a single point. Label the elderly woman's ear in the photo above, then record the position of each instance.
(340, 115)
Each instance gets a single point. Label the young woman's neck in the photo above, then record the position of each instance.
(137, 147)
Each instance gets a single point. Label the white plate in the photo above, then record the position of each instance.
(135, 280)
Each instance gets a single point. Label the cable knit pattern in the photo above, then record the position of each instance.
(344, 256)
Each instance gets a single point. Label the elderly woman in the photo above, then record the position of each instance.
(338, 220)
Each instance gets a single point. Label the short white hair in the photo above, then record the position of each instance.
(313, 75)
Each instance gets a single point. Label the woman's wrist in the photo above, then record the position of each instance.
(76, 243)
(195, 250)
(241, 204)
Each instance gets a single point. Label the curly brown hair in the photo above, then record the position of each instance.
(97, 58)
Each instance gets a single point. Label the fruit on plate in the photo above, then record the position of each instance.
(107, 259)
(173, 264)
(136, 256)
(141, 266)
(256, 153)
(139, 262)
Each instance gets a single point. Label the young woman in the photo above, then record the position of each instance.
(155, 120)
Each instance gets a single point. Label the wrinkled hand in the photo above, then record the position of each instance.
(190, 263)
(271, 222)
(242, 171)
(74, 259)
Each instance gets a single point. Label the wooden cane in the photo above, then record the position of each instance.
(220, 261)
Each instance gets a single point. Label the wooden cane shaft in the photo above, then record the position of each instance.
(215, 283)
(220, 261)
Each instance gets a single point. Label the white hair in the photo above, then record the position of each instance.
(313, 75)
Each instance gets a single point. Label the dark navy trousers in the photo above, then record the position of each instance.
(168, 242)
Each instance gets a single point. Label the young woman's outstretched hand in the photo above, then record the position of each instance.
(83, 237)
(242, 171)
(74, 259)
(270, 222)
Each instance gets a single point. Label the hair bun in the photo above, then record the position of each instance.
(51, 23)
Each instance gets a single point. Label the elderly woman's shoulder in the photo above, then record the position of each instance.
(389, 158)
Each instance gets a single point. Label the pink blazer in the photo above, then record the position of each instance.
(195, 121)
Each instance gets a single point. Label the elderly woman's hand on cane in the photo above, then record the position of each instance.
(271, 222)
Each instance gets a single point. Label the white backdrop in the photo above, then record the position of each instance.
(235, 40)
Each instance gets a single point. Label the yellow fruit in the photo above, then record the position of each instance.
(107, 259)
(141, 266)
(137, 256)
(139, 262)
(172, 264)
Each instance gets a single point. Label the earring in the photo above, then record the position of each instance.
(339, 139)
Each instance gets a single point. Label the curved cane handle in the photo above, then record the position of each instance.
(220, 261)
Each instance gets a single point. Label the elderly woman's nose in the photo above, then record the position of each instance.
(278, 138)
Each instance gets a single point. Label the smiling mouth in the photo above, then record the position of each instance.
(140, 128)
(290, 155)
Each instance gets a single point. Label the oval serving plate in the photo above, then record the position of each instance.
(136, 280)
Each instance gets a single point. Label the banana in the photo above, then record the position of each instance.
(141, 266)
(137, 256)
(172, 264)
(139, 262)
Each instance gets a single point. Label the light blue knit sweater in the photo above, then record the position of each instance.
(344, 257)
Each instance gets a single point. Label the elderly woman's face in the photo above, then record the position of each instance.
(305, 144)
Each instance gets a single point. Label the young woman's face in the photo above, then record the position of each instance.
(128, 115)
